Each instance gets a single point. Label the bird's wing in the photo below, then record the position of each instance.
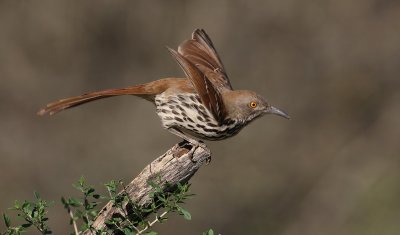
(201, 52)
(210, 97)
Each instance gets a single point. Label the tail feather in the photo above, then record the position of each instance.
(60, 105)
(147, 91)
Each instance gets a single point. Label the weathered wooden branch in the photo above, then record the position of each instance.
(173, 167)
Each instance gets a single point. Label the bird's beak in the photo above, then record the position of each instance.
(276, 111)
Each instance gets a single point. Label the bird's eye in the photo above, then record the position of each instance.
(253, 104)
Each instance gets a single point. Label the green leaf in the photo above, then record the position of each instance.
(64, 202)
(37, 195)
(81, 181)
(26, 225)
(90, 191)
(7, 220)
(185, 213)
(161, 198)
(128, 231)
(209, 232)
(74, 202)
(25, 206)
(151, 233)
(17, 205)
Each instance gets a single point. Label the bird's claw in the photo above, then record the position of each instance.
(193, 146)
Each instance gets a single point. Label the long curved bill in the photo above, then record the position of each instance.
(276, 111)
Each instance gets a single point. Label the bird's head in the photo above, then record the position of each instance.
(247, 105)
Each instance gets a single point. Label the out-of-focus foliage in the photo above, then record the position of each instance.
(332, 65)
(83, 210)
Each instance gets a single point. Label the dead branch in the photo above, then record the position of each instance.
(173, 167)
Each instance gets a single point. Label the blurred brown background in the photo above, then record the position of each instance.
(333, 65)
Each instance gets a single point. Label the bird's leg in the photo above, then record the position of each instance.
(195, 143)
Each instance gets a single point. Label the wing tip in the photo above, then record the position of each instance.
(196, 32)
(199, 32)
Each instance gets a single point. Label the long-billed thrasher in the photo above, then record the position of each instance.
(202, 105)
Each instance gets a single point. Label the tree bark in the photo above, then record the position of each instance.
(175, 166)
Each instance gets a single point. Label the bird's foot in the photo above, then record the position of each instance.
(194, 144)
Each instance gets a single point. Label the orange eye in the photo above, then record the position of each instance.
(253, 104)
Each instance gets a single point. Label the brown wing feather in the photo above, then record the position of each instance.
(209, 96)
(201, 52)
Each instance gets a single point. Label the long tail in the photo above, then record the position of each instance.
(146, 91)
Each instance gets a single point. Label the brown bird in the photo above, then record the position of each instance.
(202, 105)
